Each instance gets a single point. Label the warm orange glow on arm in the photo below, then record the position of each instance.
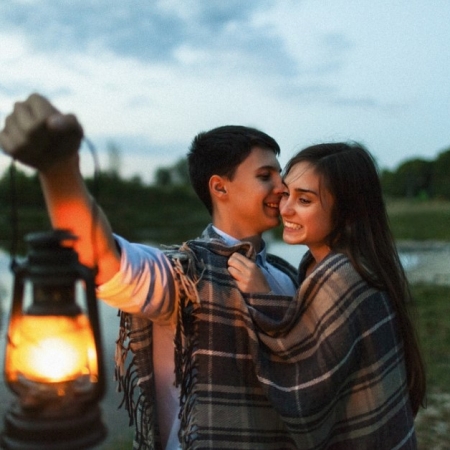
(70, 206)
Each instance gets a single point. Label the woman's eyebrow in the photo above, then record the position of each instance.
(305, 191)
(301, 190)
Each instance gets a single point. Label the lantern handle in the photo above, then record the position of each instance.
(88, 276)
(18, 289)
(13, 216)
(15, 312)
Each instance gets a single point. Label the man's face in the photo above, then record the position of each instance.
(254, 194)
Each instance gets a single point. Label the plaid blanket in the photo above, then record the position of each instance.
(193, 268)
(324, 370)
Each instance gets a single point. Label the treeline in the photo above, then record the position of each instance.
(168, 211)
(140, 212)
(415, 178)
(419, 178)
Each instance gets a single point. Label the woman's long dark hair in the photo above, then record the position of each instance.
(362, 232)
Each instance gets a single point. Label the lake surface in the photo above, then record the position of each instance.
(294, 253)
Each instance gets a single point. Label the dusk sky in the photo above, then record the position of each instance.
(148, 75)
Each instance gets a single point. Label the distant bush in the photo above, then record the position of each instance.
(419, 178)
(168, 211)
(139, 212)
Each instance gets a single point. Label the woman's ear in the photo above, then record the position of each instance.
(217, 186)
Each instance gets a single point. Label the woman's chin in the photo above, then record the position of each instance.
(291, 239)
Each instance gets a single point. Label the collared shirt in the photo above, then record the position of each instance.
(279, 282)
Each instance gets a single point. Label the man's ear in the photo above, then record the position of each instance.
(217, 186)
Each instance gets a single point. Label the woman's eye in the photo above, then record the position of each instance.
(304, 201)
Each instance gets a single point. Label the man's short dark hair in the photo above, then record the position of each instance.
(219, 152)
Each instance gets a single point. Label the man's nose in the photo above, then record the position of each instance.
(278, 187)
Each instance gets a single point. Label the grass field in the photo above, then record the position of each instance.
(420, 220)
(433, 324)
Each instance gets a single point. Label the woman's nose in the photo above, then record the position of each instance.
(285, 208)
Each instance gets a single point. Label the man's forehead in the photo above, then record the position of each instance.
(262, 158)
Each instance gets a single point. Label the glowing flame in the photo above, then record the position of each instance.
(53, 348)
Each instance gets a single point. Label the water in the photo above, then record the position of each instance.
(294, 253)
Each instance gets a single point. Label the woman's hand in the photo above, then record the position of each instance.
(247, 274)
(38, 135)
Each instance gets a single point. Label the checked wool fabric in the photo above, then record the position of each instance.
(323, 370)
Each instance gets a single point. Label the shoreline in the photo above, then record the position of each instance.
(423, 261)
(429, 261)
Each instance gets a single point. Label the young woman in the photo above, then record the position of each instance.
(346, 344)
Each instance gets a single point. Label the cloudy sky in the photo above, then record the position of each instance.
(147, 75)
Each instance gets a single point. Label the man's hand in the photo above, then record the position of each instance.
(247, 274)
(38, 135)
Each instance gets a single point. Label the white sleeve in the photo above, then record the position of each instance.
(144, 285)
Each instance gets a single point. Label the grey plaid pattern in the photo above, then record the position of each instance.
(324, 370)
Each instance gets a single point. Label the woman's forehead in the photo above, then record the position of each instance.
(304, 176)
(302, 171)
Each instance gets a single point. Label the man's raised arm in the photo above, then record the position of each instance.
(38, 135)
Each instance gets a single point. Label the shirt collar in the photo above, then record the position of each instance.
(261, 257)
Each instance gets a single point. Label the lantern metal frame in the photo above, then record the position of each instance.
(47, 422)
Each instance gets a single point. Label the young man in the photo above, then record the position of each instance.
(195, 336)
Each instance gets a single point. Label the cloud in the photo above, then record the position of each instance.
(130, 152)
(141, 30)
(205, 39)
(149, 74)
(151, 31)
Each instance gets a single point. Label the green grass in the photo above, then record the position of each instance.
(432, 312)
(433, 323)
(422, 221)
(419, 220)
(123, 441)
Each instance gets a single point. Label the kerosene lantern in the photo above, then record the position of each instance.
(53, 358)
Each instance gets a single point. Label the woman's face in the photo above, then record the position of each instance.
(306, 209)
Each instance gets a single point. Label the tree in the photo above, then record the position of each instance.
(175, 175)
(114, 159)
(181, 172)
(441, 175)
(413, 178)
(163, 177)
(388, 183)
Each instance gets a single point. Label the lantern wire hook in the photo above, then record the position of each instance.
(95, 195)
(13, 215)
